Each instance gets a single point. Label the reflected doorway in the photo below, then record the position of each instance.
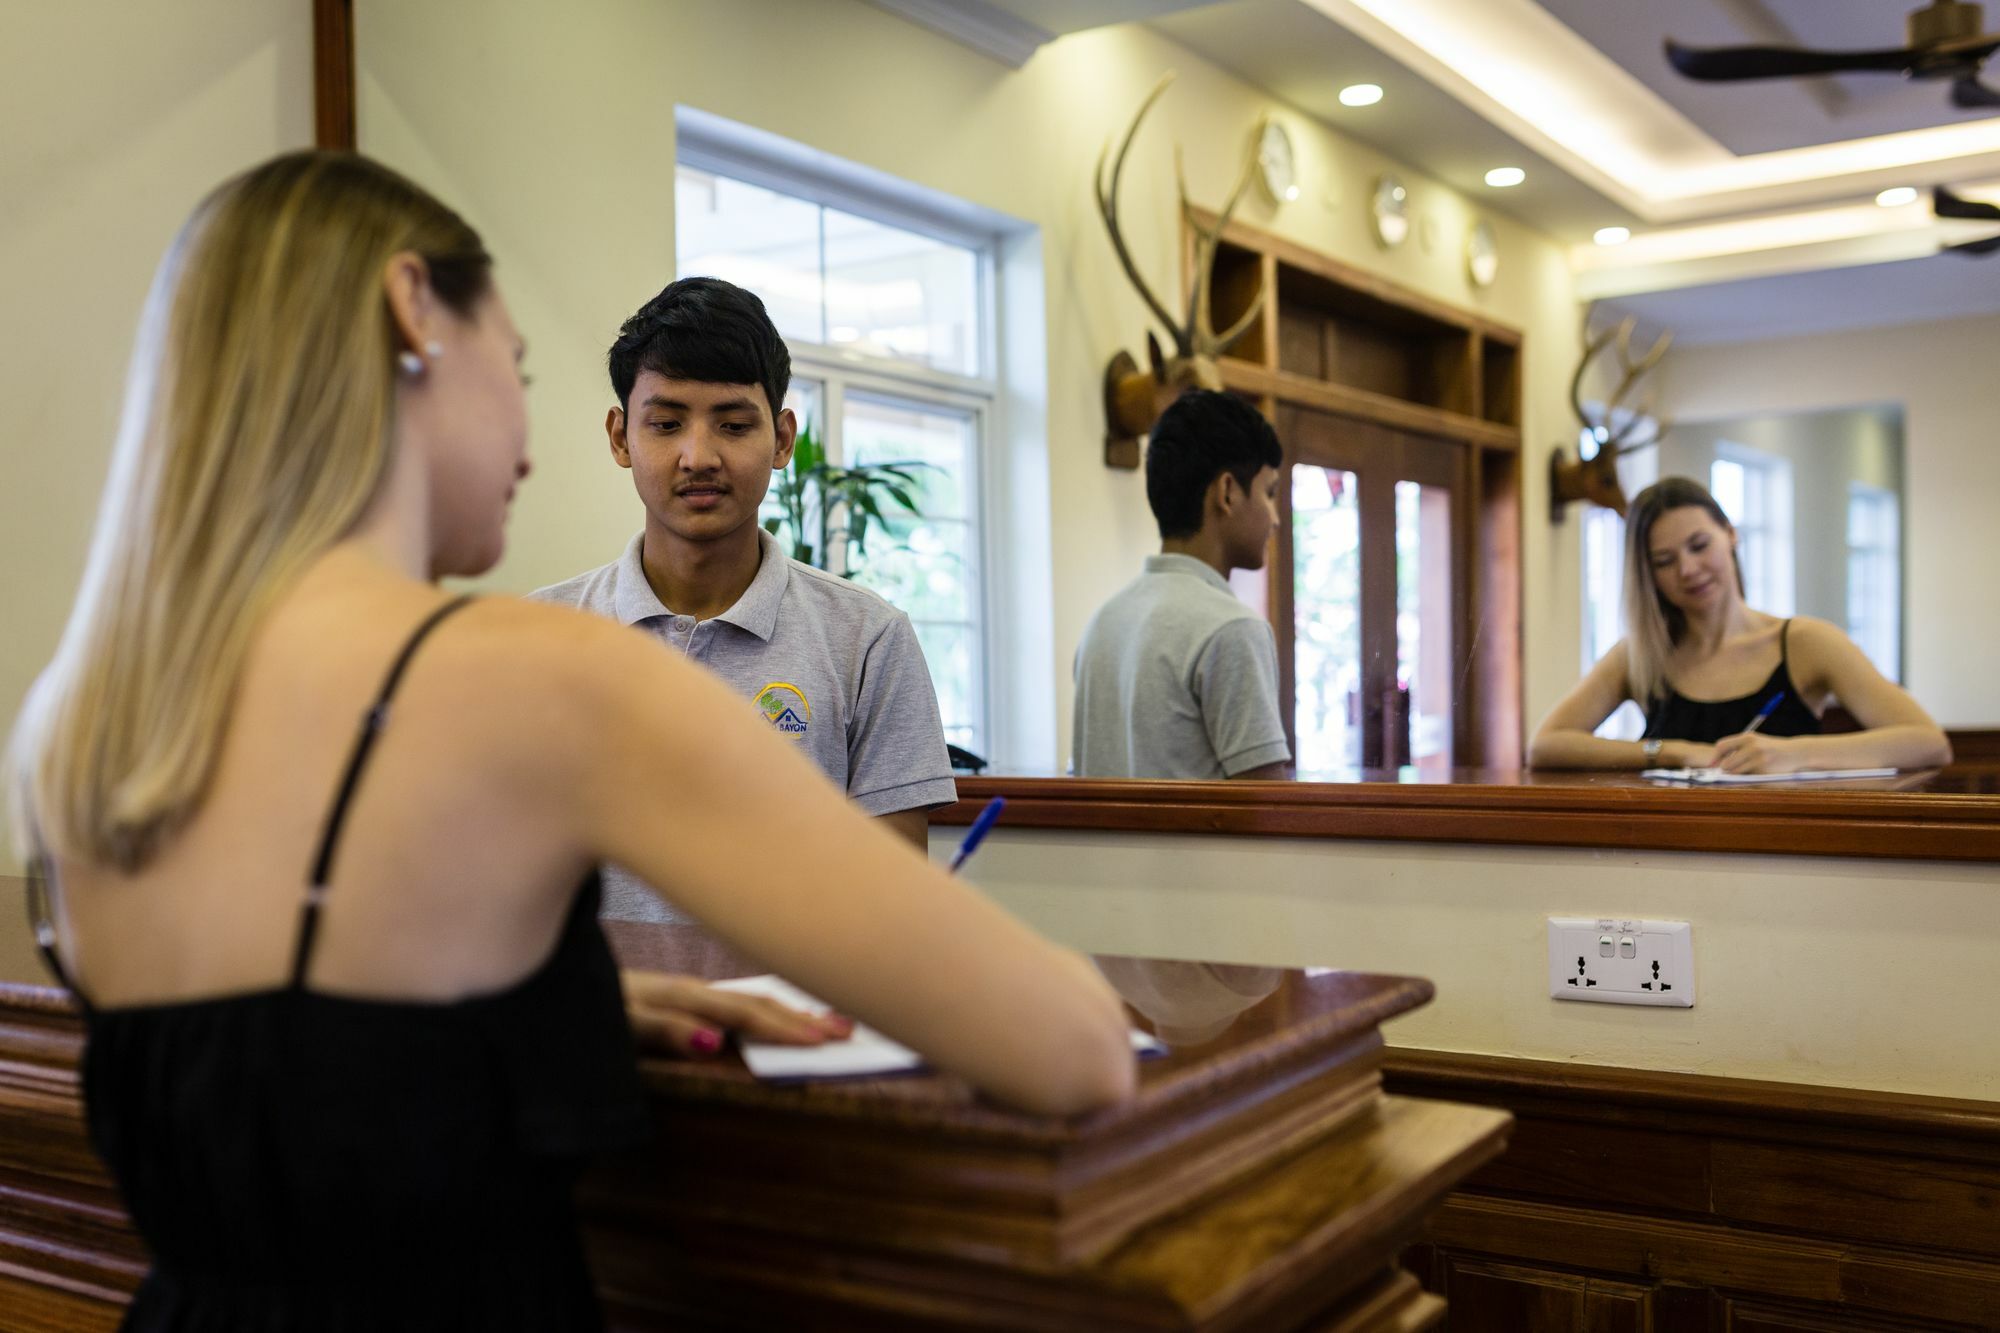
(1369, 533)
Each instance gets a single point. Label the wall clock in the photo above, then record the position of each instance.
(1389, 210)
(1277, 165)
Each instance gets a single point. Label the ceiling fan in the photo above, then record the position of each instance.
(1945, 42)
(1945, 204)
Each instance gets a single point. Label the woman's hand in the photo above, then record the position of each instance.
(687, 1016)
(1754, 752)
(1687, 754)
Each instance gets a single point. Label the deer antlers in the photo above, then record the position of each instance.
(1134, 398)
(1596, 478)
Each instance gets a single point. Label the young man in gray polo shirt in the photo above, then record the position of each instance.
(1175, 677)
(700, 374)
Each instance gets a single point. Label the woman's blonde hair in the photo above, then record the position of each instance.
(1653, 625)
(258, 425)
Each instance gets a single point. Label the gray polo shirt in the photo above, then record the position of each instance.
(833, 667)
(1176, 678)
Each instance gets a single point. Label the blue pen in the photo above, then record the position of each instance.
(980, 828)
(1765, 712)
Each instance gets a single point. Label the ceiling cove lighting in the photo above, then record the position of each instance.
(1612, 235)
(1897, 197)
(1501, 178)
(1361, 94)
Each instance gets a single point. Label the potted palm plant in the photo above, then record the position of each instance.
(824, 503)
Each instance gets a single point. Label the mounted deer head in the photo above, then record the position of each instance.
(1134, 398)
(1614, 426)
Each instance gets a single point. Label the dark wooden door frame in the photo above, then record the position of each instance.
(1379, 456)
(333, 75)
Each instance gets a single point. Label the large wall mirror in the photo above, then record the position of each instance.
(954, 298)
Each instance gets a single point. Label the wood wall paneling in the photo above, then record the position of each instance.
(1699, 1204)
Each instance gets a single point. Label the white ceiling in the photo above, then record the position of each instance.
(1579, 93)
(1763, 116)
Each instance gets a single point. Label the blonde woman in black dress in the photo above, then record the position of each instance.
(319, 840)
(1703, 665)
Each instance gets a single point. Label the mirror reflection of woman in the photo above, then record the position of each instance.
(1704, 665)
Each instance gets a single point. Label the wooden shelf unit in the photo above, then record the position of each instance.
(1339, 341)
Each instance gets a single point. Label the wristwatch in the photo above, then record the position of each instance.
(1651, 749)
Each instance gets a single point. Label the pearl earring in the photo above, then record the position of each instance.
(412, 364)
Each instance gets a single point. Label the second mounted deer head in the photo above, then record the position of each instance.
(1616, 426)
(1134, 397)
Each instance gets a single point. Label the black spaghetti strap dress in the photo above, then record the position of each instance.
(1675, 717)
(306, 1161)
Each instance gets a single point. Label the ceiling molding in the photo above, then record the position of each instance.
(1516, 65)
(983, 26)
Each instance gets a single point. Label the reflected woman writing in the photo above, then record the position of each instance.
(1724, 685)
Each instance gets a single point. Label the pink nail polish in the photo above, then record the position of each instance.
(705, 1042)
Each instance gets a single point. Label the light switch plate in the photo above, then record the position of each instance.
(1660, 970)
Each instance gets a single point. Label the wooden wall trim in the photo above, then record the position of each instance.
(1687, 1202)
(1750, 1106)
(1893, 825)
(333, 75)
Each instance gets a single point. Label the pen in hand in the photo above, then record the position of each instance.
(1765, 712)
(977, 833)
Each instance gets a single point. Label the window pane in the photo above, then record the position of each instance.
(1326, 618)
(1423, 620)
(756, 238)
(952, 653)
(927, 563)
(901, 294)
(805, 398)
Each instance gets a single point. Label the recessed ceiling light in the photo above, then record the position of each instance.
(1291, 192)
(1897, 197)
(1612, 235)
(1361, 94)
(1502, 177)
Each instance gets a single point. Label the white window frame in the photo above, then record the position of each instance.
(1768, 536)
(1888, 658)
(708, 143)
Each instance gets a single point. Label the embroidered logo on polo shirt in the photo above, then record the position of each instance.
(787, 708)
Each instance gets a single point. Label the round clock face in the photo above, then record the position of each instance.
(1482, 255)
(1276, 164)
(1390, 211)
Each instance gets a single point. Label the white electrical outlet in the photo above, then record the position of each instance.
(1621, 960)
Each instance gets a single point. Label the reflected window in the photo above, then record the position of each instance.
(1875, 577)
(1423, 623)
(1755, 490)
(1326, 617)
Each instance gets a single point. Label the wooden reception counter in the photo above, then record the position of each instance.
(1261, 1181)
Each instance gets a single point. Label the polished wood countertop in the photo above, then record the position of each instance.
(1948, 814)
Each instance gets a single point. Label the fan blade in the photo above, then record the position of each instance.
(1945, 204)
(1718, 64)
(1967, 91)
(1985, 247)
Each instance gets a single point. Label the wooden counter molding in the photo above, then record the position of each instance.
(1261, 1181)
(1632, 1199)
(1953, 816)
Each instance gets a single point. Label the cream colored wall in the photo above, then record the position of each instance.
(1841, 973)
(1942, 373)
(553, 130)
(118, 117)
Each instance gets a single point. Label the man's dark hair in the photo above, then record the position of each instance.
(707, 330)
(1200, 436)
